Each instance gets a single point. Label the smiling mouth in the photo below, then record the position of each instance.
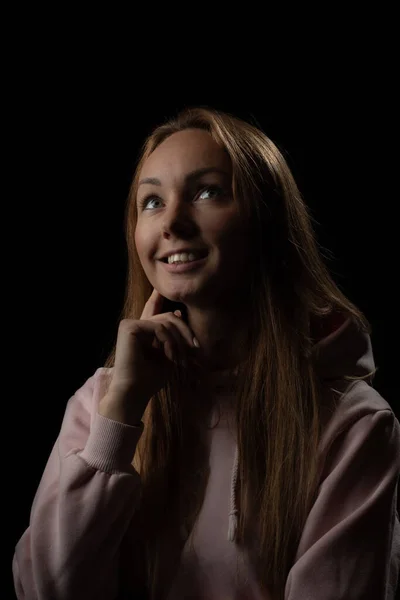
(199, 256)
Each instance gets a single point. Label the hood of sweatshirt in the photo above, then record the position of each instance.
(340, 349)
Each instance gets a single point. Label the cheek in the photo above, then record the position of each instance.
(231, 234)
(140, 242)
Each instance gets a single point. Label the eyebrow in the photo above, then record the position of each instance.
(189, 177)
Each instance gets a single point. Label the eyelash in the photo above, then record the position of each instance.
(143, 203)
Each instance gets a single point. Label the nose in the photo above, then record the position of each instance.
(178, 218)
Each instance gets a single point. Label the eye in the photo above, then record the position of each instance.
(143, 203)
(212, 190)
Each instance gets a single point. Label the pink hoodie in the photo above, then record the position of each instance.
(350, 546)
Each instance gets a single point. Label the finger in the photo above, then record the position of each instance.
(180, 342)
(168, 343)
(153, 305)
(183, 328)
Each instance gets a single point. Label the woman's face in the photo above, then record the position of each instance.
(185, 201)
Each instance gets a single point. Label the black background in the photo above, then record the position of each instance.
(75, 128)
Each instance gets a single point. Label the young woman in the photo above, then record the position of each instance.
(233, 445)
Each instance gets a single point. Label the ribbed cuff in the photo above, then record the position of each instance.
(111, 445)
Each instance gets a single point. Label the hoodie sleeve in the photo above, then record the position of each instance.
(345, 551)
(82, 508)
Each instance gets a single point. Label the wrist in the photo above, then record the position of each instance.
(117, 407)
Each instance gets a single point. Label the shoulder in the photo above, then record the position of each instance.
(356, 406)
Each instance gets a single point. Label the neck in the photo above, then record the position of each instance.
(223, 338)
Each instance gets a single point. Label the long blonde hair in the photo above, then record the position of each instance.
(278, 411)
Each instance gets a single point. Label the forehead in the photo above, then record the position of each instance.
(184, 152)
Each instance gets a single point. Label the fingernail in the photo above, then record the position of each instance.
(196, 343)
(178, 313)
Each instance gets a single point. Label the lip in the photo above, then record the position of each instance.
(184, 267)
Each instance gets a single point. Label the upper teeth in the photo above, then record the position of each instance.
(184, 257)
